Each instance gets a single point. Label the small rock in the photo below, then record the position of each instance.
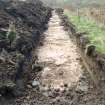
(64, 90)
(42, 88)
(45, 94)
(58, 99)
(28, 97)
(50, 94)
(29, 86)
(82, 87)
(52, 103)
(37, 67)
(2, 60)
(35, 83)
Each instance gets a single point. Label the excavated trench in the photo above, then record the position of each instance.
(63, 80)
(60, 57)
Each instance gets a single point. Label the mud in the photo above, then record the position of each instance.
(30, 20)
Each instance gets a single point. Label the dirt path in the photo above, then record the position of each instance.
(60, 57)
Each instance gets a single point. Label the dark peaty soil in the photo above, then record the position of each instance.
(30, 20)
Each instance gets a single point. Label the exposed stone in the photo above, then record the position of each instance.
(35, 83)
(37, 68)
(82, 87)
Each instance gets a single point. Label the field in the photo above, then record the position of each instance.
(95, 32)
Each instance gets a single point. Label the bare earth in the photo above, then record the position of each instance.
(60, 56)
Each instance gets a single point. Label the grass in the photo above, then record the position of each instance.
(96, 33)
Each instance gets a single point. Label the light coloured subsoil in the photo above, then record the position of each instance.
(60, 56)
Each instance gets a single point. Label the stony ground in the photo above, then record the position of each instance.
(63, 80)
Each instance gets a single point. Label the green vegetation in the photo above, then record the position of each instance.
(96, 33)
(11, 35)
(85, 3)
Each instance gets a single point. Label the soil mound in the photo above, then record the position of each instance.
(21, 25)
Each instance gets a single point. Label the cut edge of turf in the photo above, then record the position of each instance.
(96, 33)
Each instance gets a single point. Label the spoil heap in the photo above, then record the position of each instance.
(21, 26)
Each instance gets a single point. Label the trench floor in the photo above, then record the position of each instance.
(60, 57)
